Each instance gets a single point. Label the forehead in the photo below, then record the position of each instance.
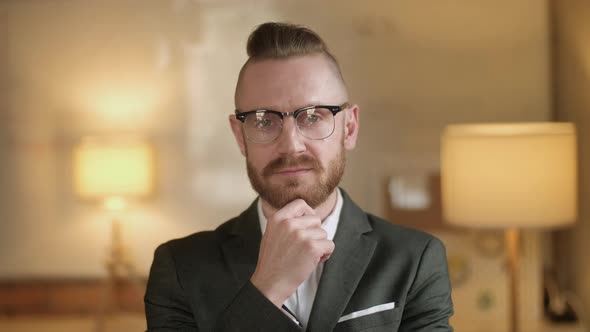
(287, 84)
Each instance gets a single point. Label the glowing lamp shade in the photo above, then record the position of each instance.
(509, 175)
(105, 168)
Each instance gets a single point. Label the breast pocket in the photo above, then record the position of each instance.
(387, 320)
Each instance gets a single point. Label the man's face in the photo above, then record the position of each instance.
(293, 166)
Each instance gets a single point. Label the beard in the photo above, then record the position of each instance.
(280, 194)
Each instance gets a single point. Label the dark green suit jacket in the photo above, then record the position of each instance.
(201, 282)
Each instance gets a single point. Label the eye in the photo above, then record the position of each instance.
(312, 118)
(262, 123)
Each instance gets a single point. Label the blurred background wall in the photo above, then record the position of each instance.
(572, 103)
(166, 70)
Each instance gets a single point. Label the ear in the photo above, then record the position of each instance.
(236, 128)
(351, 127)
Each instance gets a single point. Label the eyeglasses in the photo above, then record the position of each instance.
(313, 122)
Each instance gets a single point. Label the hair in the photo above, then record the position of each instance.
(274, 40)
(277, 40)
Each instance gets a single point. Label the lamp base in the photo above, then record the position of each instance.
(512, 238)
(119, 267)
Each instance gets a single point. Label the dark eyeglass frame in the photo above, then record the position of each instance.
(241, 116)
(334, 109)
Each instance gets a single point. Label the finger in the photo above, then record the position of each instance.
(325, 258)
(301, 222)
(326, 247)
(311, 234)
(296, 208)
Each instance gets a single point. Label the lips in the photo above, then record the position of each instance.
(286, 165)
(289, 171)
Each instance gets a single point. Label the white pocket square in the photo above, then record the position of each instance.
(368, 311)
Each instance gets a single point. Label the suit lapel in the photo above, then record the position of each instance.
(241, 248)
(341, 274)
(343, 271)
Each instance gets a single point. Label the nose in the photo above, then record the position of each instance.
(290, 141)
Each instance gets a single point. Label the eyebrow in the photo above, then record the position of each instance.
(277, 108)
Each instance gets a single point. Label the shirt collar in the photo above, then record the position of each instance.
(330, 224)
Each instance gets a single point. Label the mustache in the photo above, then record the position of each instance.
(303, 161)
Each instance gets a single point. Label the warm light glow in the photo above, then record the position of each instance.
(125, 104)
(134, 100)
(115, 203)
(106, 168)
(509, 175)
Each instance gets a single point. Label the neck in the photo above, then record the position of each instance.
(322, 211)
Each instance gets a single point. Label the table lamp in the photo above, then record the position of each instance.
(511, 176)
(114, 171)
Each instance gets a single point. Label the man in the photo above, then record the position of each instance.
(303, 256)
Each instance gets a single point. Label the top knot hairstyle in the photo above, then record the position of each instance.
(281, 40)
(277, 40)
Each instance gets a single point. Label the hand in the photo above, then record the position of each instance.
(293, 244)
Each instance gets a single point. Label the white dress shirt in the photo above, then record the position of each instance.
(301, 301)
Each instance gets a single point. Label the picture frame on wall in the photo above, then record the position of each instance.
(414, 200)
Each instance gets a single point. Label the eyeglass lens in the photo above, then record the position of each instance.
(313, 123)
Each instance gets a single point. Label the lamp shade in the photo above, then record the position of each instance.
(509, 175)
(104, 168)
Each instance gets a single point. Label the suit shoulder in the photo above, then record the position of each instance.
(199, 243)
(392, 233)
